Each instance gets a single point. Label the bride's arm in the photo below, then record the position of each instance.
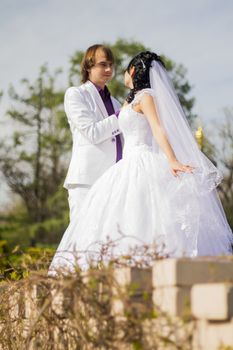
(148, 108)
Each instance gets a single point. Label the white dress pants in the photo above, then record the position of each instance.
(76, 195)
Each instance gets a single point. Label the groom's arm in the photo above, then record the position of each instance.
(83, 119)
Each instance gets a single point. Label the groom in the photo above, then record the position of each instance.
(92, 115)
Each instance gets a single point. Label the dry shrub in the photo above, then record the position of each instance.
(76, 312)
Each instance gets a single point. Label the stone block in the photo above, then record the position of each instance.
(173, 300)
(140, 279)
(189, 271)
(132, 288)
(212, 301)
(213, 335)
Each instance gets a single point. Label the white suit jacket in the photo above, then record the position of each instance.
(93, 133)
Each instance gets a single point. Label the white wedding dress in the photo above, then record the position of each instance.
(138, 202)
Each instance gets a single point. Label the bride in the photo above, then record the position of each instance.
(162, 194)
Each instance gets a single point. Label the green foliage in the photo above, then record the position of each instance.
(13, 227)
(18, 228)
(16, 263)
(33, 162)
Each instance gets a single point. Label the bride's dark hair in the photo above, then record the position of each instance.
(141, 79)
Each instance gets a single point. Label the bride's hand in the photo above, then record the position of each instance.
(176, 166)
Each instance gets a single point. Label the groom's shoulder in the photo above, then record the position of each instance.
(74, 91)
(77, 90)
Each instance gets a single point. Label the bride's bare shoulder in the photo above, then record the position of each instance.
(146, 98)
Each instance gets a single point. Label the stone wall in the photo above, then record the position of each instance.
(194, 293)
(198, 289)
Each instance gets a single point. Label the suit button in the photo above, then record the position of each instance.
(113, 139)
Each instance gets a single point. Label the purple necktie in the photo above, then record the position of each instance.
(105, 95)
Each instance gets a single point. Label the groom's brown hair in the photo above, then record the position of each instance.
(88, 60)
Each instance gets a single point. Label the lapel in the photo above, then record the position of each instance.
(97, 98)
(115, 104)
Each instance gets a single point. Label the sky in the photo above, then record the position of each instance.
(198, 34)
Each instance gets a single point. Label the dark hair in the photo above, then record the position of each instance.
(141, 79)
(88, 60)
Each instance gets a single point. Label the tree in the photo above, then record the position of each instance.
(225, 156)
(123, 51)
(32, 161)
